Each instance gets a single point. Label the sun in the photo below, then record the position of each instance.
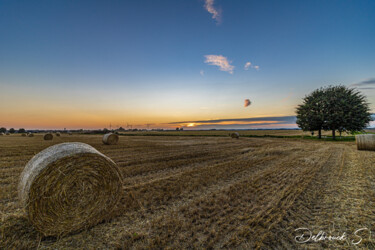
(191, 125)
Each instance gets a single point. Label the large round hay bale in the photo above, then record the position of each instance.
(110, 139)
(30, 135)
(365, 142)
(235, 135)
(7, 133)
(58, 134)
(68, 187)
(48, 137)
(23, 134)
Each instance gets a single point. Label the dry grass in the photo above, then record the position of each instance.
(211, 192)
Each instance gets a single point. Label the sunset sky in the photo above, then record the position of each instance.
(191, 63)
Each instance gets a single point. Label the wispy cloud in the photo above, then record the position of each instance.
(364, 83)
(201, 72)
(209, 6)
(220, 61)
(280, 119)
(249, 65)
(242, 123)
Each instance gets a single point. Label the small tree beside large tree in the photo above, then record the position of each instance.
(334, 108)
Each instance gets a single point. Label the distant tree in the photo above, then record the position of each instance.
(310, 114)
(181, 129)
(334, 108)
(105, 130)
(177, 129)
(3, 130)
(21, 130)
(12, 130)
(346, 110)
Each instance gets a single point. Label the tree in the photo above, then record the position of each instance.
(346, 110)
(3, 130)
(334, 108)
(12, 130)
(310, 114)
(21, 130)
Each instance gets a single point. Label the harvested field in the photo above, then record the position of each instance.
(211, 192)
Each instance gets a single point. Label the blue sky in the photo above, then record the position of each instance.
(90, 63)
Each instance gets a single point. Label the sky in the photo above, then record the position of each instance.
(178, 63)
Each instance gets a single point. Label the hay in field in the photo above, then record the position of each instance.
(24, 134)
(110, 139)
(68, 187)
(365, 142)
(30, 135)
(2, 134)
(48, 137)
(235, 135)
(58, 134)
(7, 133)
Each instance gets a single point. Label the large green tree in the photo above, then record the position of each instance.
(346, 110)
(310, 112)
(3, 130)
(334, 108)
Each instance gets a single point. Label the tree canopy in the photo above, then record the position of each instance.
(334, 108)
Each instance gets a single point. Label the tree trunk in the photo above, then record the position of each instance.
(320, 134)
(333, 134)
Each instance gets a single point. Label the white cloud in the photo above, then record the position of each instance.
(247, 65)
(209, 6)
(220, 61)
(201, 72)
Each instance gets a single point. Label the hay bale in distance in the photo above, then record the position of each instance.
(110, 139)
(48, 137)
(2, 134)
(30, 135)
(24, 134)
(235, 135)
(7, 133)
(58, 134)
(69, 187)
(365, 142)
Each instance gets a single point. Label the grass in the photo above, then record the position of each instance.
(209, 192)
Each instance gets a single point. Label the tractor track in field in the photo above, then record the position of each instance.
(214, 192)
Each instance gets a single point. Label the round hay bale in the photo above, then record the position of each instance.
(23, 134)
(70, 133)
(48, 137)
(7, 133)
(110, 139)
(58, 134)
(365, 142)
(30, 135)
(69, 187)
(1, 134)
(235, 135)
